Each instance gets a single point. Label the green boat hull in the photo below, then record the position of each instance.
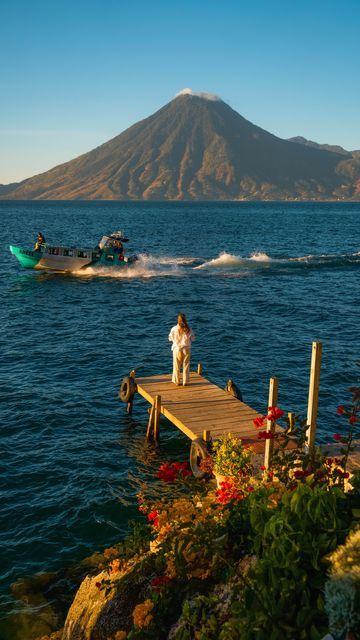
(27, 258)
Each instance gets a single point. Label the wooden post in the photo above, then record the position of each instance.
(291, 417)
(206, 435)
(150, 427)
(313, 394)
(270, 424)
(157, 408)
(199, 369)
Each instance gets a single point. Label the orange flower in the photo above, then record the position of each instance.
(141, 614)
(120, 635)
(115, 566)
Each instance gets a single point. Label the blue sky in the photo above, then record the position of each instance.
(75, 74)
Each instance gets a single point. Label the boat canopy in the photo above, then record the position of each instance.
(113, 239)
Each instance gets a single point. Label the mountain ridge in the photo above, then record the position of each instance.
(197, 148)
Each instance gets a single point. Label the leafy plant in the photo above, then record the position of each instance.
(285, 597)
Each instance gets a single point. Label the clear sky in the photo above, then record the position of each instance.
(75, 73)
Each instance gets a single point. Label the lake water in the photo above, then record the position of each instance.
(258, 283)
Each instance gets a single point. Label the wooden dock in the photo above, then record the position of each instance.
(199, 408)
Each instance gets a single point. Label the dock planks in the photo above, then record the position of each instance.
(201, 405)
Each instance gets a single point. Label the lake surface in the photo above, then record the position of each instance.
(258, 283)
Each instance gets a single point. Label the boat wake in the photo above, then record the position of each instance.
(260, 261)
(225, 264)
(147, 266)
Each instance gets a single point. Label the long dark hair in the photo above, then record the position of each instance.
(183, 325)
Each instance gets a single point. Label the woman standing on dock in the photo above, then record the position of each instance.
(181, 336)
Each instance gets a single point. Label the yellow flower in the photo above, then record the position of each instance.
(120, 635)
(141, 614)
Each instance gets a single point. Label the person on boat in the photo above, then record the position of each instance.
(119, 247)
(39, 241)
(181, 337)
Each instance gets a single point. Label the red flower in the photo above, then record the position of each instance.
(352, 419)
(274, 413)
(262, 467)
(340, 410)
(153, 518)
(159, 582)
(98, 585)
(228, 491)
(337, 437)
(259, 422)
(169, 472)
(341, 473)
(299, 473)
(266, 435)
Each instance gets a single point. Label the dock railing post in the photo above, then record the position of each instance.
(291, 418)
(199, 369)
(206, 435)
(157, 412)
(270, 424)
(313, 398)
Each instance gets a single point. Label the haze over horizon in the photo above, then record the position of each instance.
(78, 75)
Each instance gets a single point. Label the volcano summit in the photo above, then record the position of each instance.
(197, 148)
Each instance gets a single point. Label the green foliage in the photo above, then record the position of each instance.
(285, 598)
(198, 619)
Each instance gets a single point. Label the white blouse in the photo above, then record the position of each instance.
(180, 340)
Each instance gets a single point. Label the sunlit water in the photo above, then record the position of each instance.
(258, 282)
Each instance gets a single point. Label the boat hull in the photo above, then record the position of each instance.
(68, 260)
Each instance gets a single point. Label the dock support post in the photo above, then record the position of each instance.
(157, 411)
(270, 424)
(150, 427)
(313, 395)
(199, 369)
(206, 435)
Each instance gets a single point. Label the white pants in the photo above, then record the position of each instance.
(181, 357)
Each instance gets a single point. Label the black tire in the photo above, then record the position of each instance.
(198, 452)
(127, 389)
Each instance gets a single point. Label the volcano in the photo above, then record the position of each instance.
(197, 147)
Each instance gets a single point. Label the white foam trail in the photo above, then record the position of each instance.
(147, 266)
(223, 260)
(260, 257)
(228, 260)
(175, 260)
